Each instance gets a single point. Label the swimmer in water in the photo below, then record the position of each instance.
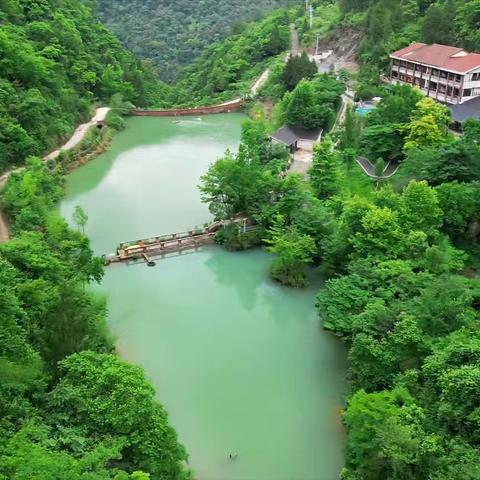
(233, 456)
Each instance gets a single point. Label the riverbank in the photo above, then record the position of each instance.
(77, 137)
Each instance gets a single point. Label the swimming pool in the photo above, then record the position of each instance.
(365, 109)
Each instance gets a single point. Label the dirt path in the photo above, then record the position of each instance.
(80, 132)
(75, 139)
(262, 79)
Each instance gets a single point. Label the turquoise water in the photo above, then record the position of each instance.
(240, 363)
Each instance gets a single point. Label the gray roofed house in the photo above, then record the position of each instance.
(291, 135)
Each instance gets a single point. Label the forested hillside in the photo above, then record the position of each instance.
(227, 69)
(56, 60)
(173, 33)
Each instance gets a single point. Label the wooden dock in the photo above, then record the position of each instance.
(149, 248)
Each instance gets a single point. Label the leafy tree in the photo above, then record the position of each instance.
(420, 208)
(296, 69)
(324, 173)
(466, 23)
(313, 104)
(106, 396)
(294, 250)
(429, 125)
(384, 141)
(458, 161)
(460, 205)
(386, 435)
(351, 130)
(80, 218)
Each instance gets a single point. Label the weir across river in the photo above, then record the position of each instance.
(161, 246)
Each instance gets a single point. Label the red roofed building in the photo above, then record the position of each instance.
(447, 74)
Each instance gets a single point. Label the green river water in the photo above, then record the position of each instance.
(239, 362)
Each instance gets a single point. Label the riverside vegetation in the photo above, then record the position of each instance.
(402, 256)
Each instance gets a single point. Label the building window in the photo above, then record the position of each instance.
(458, 78)
(443, 74)
(435, 72)
(449, 91)
(467, 92)
(395, 74)
(433, 86)
(475, 77)
(456, 92)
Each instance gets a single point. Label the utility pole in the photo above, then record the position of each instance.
(316, 48)
(311, 16)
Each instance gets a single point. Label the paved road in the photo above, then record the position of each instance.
(76, 138)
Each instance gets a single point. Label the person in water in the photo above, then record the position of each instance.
(233, 456)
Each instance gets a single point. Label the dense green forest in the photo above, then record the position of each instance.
(172, 34)
(56, 60)
(227, 69)
(401, 256)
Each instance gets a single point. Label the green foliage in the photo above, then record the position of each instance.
(298, 68)
(227, 69)
(104, 396)
(173, 34)
(294, 250)
(324, 173)
(55, 60)
(313, 104)
(428, 126)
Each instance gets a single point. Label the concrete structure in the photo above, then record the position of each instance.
(226, 107)
(448, 74)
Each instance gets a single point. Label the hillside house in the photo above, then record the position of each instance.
(448, 74)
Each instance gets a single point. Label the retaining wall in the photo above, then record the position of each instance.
(224, 108)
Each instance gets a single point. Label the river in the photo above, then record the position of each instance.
(239, 362)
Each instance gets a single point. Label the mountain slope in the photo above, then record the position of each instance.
(172, 33)
(56, 59)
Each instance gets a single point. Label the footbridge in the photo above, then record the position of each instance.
(162, 246)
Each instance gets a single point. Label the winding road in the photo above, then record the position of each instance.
(75, 139)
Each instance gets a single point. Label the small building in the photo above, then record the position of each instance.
(296, 138)
(449, 75)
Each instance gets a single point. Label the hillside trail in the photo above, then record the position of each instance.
(75, 139)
